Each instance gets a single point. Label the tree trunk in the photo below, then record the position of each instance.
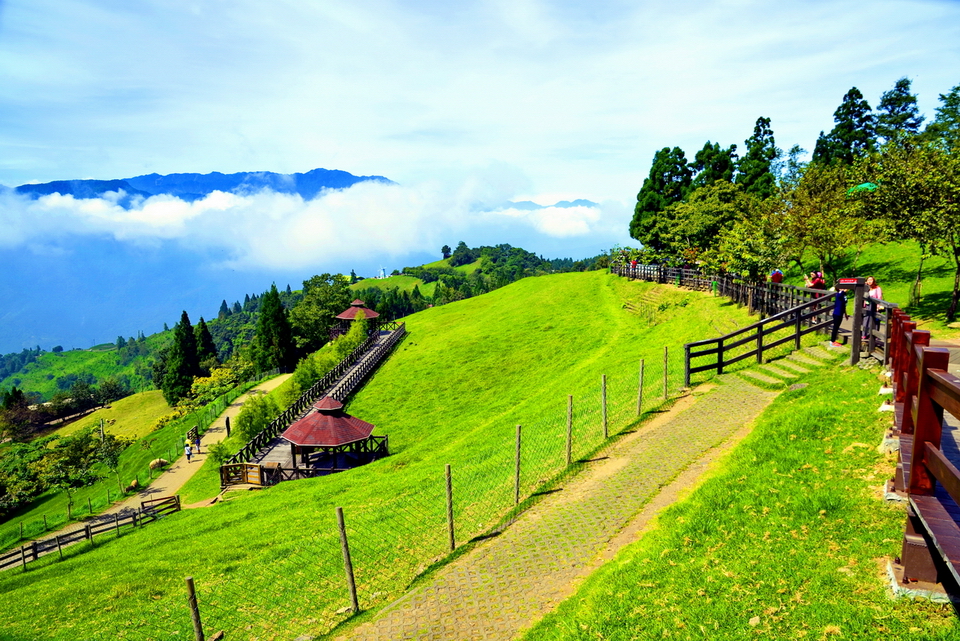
(952, 312)
(915, 290)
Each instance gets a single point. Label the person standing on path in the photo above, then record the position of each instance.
(196, 442)
(876, 293)
(187, 451)
(839, 311)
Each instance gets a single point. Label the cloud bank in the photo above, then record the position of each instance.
(271, 231)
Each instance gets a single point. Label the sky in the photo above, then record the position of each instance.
(465, 106)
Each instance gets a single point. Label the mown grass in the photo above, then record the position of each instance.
(268, 563)
(787, 539)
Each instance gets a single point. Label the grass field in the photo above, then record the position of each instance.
(131, 417)
(267, 563)
(787, 540)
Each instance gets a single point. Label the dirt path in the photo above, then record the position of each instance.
(176, 476)
(508, 583)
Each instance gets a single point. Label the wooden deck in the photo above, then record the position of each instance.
(278, 450)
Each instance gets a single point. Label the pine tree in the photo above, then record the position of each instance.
(712, 163)
(853, 134)
(668, 183)
(182, 364)
(206, 349)
(897, 113)
(755, 168)
(224, 310)
(236, 307)
(946, 125)
(273, 343)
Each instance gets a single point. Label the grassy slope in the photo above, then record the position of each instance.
(407, 283)
(132, 417)
(102, 363)
(452, 393)
(793, 536)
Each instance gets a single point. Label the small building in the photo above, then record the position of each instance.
(329, 438)
(347, 316)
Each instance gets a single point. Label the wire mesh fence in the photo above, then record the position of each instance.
(299, 587)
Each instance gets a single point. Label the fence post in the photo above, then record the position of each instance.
(23, 557)
(45, 526)
(450, 530)
(228, 427)
(194, 610)
(760, 345)
(89, 506)
(21, 531)
(347, 564)
(89, 534)
(798, 328)
(686, 365)
(569, 429)
(516, 476)
(664, 372)
(603, 404)
(59, 548)
(639, 391)
(116, 521)
(857, 323)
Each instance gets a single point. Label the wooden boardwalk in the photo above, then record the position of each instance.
(278, 450)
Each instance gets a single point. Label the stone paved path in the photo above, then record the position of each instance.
(509, 582)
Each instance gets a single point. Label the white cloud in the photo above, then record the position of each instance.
(268, 230)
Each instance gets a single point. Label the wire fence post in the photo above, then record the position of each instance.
(450, 530)
(21, 531)
(45, 526)
(516, 476)
(59, 548)
(347, 564)
(640, 390)
(194, 610)
(665, 393)
(569, 429)
(603, 404)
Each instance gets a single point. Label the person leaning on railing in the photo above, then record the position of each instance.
(839, 312)
(870, 322)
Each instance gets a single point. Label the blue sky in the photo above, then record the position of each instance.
(465, 105)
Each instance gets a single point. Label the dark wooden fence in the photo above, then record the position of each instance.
(149, 511)
(799, 309)
(924, 390)
(803, 319)
(327, 382)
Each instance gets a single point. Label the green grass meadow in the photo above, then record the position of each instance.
(787, 539)
(267, 563)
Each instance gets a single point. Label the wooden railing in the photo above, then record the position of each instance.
(149, 511)
(329, 381)
(803, 319)
(924, 390)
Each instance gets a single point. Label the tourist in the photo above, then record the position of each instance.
(839, 312)
(870, 322)
(196, 442)
(776, 276)
(187, 451)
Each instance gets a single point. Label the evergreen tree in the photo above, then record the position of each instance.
(755, 170)
(445, 250)
(946, 125)
(353, 277)
(224, 310)
(236, 307)
(668, 182)
(712, 163)
(121, 342)
(182, 364)
(289, 291)
(273, 343)
(206, 349)
(897, 113)
(853, 134)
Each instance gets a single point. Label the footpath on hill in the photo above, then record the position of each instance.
(175, 477)
(509, 582)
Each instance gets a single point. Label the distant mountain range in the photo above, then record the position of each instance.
(192, 187)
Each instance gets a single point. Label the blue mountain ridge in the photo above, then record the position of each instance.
(529, 205)
(191, 186)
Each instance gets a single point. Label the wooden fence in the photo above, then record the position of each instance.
(149, 511)
(339, 382)
(801, 309)
(924, 390)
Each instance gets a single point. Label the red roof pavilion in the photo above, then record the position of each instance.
(327, 426)
(357, 306)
